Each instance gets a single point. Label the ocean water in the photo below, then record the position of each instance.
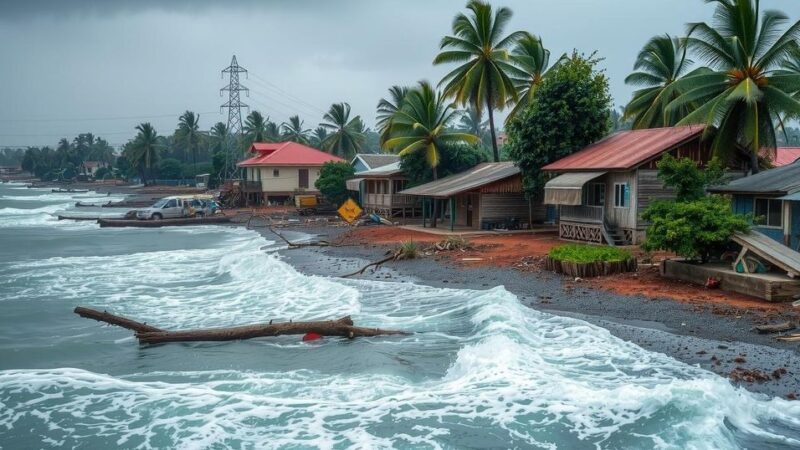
(480, 371)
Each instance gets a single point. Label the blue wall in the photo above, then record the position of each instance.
(359, 166)
(743, 204)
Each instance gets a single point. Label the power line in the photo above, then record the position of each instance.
(267, 84)
(89, 119)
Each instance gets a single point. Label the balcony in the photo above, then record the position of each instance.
(581, 213)
(250, 186)
(386, 201)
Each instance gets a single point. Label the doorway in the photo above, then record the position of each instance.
(303, 173)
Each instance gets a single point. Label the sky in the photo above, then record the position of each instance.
(103, 66)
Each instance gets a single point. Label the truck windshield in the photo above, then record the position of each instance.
(160, 203)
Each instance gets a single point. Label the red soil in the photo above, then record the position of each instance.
(525, 252)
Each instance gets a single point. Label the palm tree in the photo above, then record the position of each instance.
(386, 110)
(533, 60)
(749, 87)
(255, 128)
(346, 135)
(272, 132)
(219, 137)
(661, 63)
(422, 124)
(318, 137)
(483, 76)
(188, 133)
(471, 121)
(144, 149)
(293, 130)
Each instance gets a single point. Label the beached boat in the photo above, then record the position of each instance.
(213, 220)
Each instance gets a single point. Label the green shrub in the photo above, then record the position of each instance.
(332, 181)
(579, 253)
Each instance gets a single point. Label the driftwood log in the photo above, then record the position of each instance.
(151, 335)
(589, 270)
(774, 328)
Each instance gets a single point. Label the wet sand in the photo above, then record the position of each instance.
(724, 344)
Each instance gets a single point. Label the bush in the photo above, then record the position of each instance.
(697, 229)
(579, 253)
(686, 178)
(332, 181)
(170, 169)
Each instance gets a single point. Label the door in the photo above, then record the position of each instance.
(172, 209)
(303, 173)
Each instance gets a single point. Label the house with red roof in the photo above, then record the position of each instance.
(277, 171)
(600, 191)
(785, 155)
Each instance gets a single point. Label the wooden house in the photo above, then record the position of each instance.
(279, 170)
(772, 197)
(601, 190)
(488, 196)
(379, 191)
(363, 162)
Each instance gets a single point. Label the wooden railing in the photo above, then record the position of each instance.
(389, 201)
(250, 186)
(581, 213)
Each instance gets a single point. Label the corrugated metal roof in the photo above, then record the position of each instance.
(779, 181)
(382, 171)
(287, 154)
(626, 149)
(480, 175)
(375, 160)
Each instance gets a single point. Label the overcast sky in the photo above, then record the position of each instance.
(103, 66)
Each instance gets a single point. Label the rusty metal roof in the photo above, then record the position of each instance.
(626, 149)
(480, 175)
(778, 181)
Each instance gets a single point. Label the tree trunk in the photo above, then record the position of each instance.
(490, 107)
(152, 335)
(754, 162)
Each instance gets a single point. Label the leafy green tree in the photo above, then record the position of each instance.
(749, 86)
(533, 61)
(571, 110)
(188, 133)
(658, 66)
(293, 130)
(346, 135)
(422, 125)
(332, 181)
(483, 77)
(686, 178)
(454, 158)
(170, 169)
(696, 229)
(387, 108)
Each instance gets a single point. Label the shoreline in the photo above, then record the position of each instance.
(694, 335)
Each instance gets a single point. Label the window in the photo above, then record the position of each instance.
(621, 195)
(171, 204)
(769, 212)
(276, 173)
(595, 194)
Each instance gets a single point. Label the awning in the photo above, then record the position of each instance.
(566, 189)
(795, 197)
(354, 184)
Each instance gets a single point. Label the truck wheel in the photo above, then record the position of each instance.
(157, 216)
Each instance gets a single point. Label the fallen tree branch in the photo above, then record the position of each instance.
(107, 317)
(152, 335)
(377, 264)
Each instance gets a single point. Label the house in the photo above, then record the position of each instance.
(379, 191)
(90, 168)
(279, 170)
(785, 155)
(368, 161)
(602, 190)
(487, 196)
(773, 198)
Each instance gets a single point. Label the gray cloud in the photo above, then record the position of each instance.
(94, 59)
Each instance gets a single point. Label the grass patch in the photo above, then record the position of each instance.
(577, 253)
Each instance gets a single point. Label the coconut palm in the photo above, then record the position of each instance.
(661, 63)
(318, 137)
(346, 135)
(422, 125)
(472, 122)
(386, 110)
(188, 133)
(483, 77)
(748, 88)
(255, 128)
(533, 61)
(219, 137)
(272, 132)
(144, 149)
(293, 130)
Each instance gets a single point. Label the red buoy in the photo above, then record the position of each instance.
(311, 336)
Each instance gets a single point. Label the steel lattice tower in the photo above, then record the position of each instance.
(234, 106)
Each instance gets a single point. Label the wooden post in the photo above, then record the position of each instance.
(452, 212)
(424, 211)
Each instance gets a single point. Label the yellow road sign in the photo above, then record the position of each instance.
(349, 211)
